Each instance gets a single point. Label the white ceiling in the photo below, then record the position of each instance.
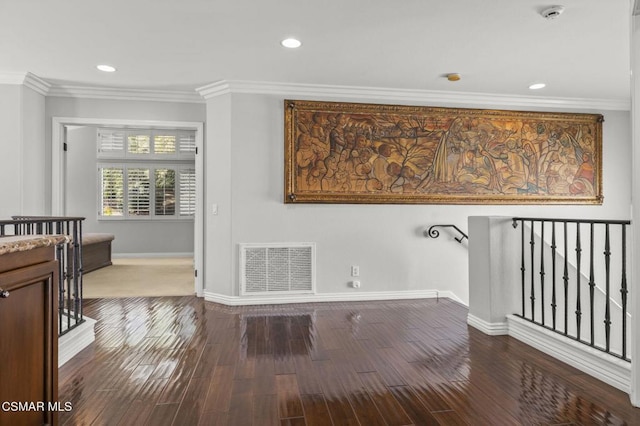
(499, 46)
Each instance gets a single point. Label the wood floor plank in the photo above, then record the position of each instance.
(419, 414)
(219, 393)
(184, 361)
(207, 361)
(336, 396)
(289, 402)
(316, 412)
(137, 413)
(163, 414)
(365, 409)
(241, 410)
(192, 405)
(265, 410)
(296, 421)
(390, 409)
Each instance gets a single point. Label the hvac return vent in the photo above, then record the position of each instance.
(277, 268)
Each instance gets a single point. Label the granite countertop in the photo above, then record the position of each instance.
(15, 244)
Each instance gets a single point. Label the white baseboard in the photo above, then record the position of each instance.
(491, 329)
(594, 362)
(450, 295)
(156, 255)
(74, 341)
(326, 297)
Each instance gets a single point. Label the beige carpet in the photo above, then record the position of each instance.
(141, 277)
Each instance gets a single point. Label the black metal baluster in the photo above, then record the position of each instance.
(60, 256)
(542, 270)
(74, 264)
(79, 271)
(553, 274)
(578, 303)
(624, 292)
(522, 268)
(607, 312)
(68, 281)
(565, 278)
(533, 293)
(592, 286)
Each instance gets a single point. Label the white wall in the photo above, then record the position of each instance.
(10, 151)
(22, 151)
(34, 162)
(140, 236)
(217, 243)
(386, 241)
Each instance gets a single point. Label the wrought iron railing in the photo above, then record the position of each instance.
(434, 233)
(573, 287)
(69, 256)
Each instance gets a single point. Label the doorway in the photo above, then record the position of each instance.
(61, 195)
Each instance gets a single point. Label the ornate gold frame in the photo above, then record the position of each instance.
(390, 154)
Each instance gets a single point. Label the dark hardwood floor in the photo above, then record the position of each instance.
(183, 361)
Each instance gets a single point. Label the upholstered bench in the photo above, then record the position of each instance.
(96, 251)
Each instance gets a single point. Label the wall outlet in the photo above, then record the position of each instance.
(355, 284)
(355, 271)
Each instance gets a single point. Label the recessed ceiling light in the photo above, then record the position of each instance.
(291, 43)
(536, 86)
(106, 68)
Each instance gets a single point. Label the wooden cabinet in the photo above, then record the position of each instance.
(28, 337)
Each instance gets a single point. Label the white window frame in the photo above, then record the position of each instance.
(182, 152)
(152, 166)
(179, 161)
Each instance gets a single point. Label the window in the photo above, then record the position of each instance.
(138, 196)
(146, 144)
(112, 191)
(165, 203)
(146, 174)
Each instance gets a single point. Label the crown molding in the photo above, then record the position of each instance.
(125, 94)
(12, 77)
(27, 79)
(313, 92)
(317, 91)
(44, 88)
(37, 84)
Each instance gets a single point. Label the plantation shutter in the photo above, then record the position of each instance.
(164, 144)
(187, 142)
(146, 173)
(111, 141)
(138, 143)
(138, 191)
(112, 184)
(187, 192)
(165, 192)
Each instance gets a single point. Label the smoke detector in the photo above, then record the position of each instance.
(552, 12)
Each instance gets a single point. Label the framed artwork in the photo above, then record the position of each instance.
(365, 153)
